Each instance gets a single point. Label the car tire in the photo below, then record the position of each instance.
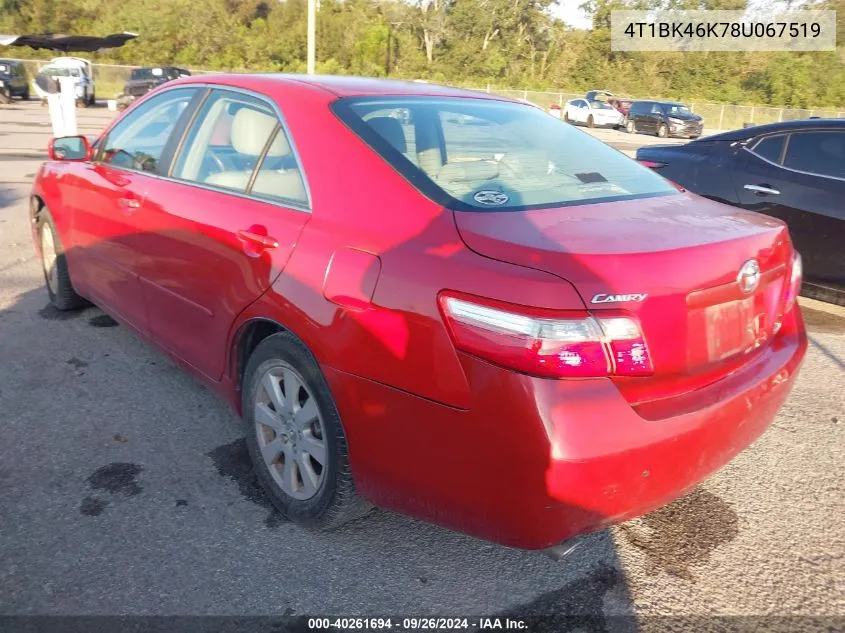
(590, 121)
(25, 95)
(566, 117)
(277, 363)
(60, 288)
(692, 138)
(662, 130)
(630, 127)
(92, 100)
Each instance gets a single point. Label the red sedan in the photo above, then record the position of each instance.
(436, 301)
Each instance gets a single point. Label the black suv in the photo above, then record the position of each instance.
(142, 80)
(664, 118)
(13, 81)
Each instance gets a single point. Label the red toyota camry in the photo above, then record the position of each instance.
(432, 300)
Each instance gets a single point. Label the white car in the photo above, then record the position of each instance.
(592, 113)
(76, 67)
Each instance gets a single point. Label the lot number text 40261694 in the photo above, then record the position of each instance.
(416, 624)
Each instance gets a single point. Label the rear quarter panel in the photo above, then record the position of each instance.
(701, 167)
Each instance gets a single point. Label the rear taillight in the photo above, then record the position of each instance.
(796, 276)
(547, 343)
(651, 164)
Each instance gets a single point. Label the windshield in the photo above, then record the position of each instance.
(54, 71)
(478, 154)
(676, 108)
(601, 105)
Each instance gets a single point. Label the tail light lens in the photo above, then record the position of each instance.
(651, 164)
(795, 278)
(546, 343)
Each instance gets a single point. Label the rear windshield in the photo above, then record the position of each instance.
(484, 155)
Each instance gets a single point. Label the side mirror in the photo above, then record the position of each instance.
(76, 148)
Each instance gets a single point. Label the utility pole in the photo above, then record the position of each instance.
(312, 27)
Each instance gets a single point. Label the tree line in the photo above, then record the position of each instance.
(503, 43)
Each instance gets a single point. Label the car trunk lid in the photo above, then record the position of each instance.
(672, 261)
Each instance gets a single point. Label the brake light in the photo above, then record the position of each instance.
(795, 278)
(547, 343)
(651, 164)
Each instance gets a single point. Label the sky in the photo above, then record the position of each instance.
(568, 11)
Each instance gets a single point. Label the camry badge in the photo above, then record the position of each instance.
(749, 276)
(605, 298)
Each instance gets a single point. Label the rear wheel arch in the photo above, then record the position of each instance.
(246, 339)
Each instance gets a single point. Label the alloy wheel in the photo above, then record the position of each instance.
(290, 432)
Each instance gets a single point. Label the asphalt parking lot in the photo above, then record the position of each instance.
(125, 489)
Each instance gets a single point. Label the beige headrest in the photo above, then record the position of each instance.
(250, 131)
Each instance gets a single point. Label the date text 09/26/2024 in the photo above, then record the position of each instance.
(416, 624)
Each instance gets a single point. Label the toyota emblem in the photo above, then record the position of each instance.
(749, 276)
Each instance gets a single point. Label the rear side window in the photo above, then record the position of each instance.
(137, 141)
(770, 147)
(817, 152)
(483, 155)
(237, 143)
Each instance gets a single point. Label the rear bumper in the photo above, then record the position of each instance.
(536, 461)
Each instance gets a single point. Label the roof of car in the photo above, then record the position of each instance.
(785, 126)
(347, 86)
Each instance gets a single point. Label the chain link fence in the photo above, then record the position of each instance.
(109, 80)
(717, 116)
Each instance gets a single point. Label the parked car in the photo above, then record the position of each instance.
(83, 78)
(622, 105)
(792, 171)
(508, 329)
(13, 81)
(142, 80)
(664, 118)
(591, 113)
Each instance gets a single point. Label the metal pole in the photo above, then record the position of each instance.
(312, 27)
(721, 115)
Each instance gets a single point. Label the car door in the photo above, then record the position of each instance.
(109, 195)
(639, 115)
(580, 111)
(221, 227)
(800, 178)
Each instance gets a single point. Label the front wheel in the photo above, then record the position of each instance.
(92, 100)
(54, 264)
(566, 117)
(25, 94)
(590, 121)
(662, 131)
(630, 127)
(295, 436)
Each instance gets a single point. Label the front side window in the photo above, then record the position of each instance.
(237, 143)
(482, 155)
(673, 109)
(137, 141)
(817, 152)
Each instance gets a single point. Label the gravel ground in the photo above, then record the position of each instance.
(125, 489)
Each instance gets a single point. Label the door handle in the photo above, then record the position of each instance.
(129, 204)
(763, 190)
(263, 241)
